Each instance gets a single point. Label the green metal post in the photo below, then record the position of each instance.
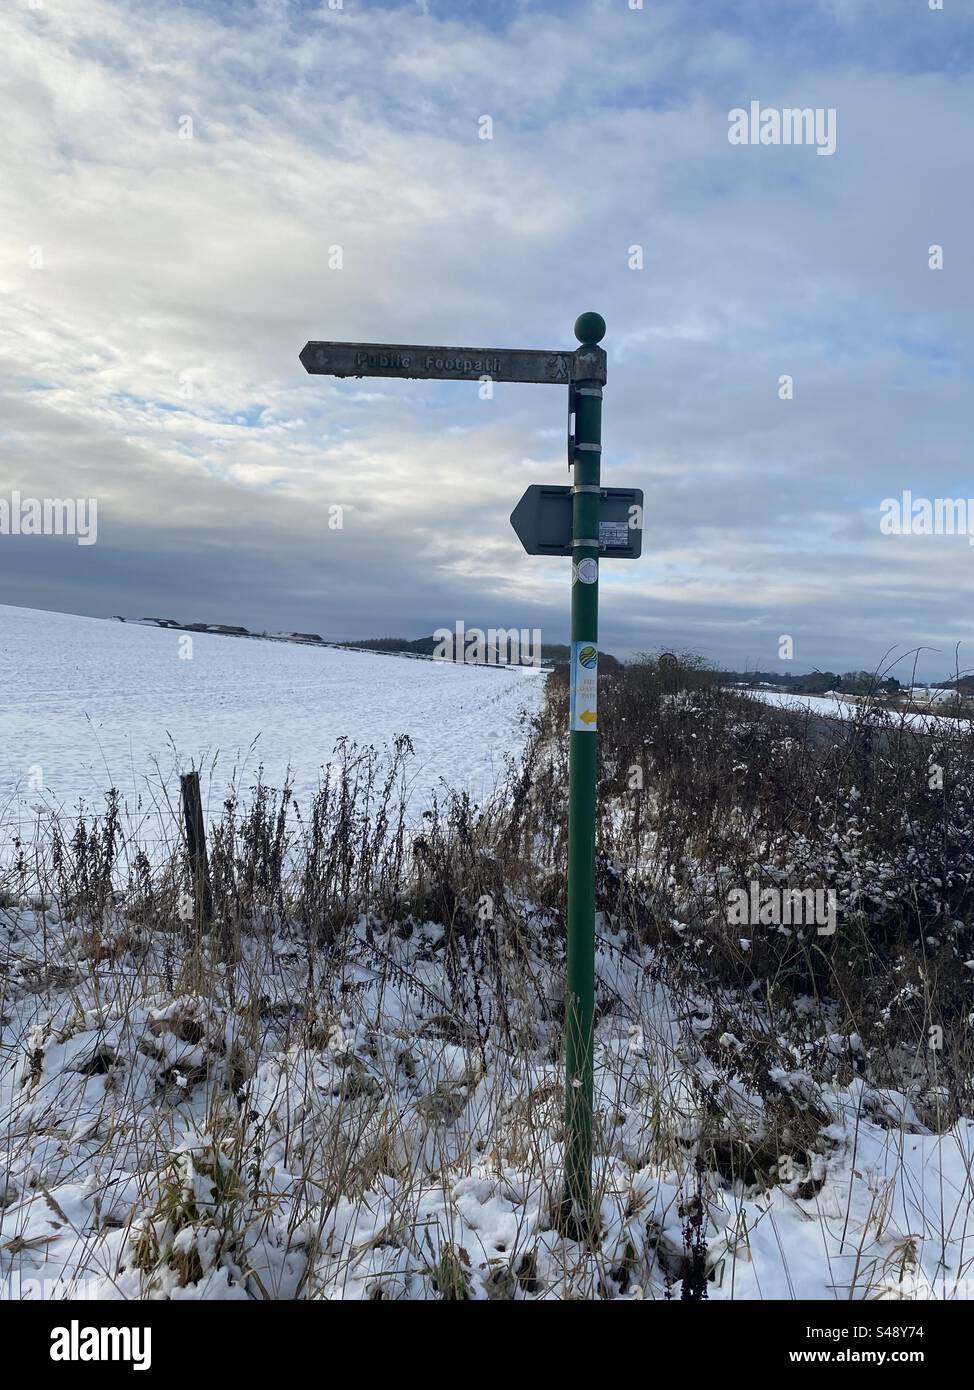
(580, 998)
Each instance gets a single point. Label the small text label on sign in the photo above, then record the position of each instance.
(583, 702)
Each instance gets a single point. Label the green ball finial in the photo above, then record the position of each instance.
(590, 328)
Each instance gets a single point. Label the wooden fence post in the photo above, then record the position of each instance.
(196, 845)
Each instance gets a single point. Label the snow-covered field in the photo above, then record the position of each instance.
(88, 704)
(835, 708)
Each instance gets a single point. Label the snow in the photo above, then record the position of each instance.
(840, 708)
(89, 704)
(385, 1152)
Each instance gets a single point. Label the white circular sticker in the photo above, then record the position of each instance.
(587, 571)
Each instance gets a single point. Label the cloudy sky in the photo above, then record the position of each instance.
(190, 191)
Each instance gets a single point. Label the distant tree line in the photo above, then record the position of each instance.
(817, 682)
(552, 653)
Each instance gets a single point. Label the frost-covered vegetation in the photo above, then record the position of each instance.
(348, 1085)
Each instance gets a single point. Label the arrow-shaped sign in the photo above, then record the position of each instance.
(588, 716)
(412, 360)
(543, 521)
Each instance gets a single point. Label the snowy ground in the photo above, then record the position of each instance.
(89, 704)
(162, 1144)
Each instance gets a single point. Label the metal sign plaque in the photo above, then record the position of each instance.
(543, 521)
(414, 362)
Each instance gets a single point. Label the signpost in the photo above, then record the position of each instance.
(587, 522)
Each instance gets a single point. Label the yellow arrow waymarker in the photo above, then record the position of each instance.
(588, 716)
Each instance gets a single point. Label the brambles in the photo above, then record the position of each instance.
(735, 792)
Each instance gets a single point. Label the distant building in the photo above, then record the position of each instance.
(933, 695)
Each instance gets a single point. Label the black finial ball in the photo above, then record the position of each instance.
(590, 328)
